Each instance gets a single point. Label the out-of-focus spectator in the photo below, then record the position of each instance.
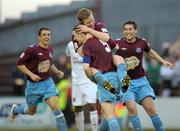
(176, 76)
(18, 82)
(153, 74)
(165, 49)
(65, 65)
(166, 77)
(175, 48)
(62, 63)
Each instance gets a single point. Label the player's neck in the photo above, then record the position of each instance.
(131, 40)
(43, 45)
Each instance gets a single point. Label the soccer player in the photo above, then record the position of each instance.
(99, 57)
(131, 48)
(36, 63)
(98, 29)
(86, 90)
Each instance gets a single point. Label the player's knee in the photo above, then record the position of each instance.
(92, 107)
(132, 109)
(78, 108)
(150, 110)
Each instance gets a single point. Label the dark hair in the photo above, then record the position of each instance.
(41, 29)
(83, 13)
(129, 22)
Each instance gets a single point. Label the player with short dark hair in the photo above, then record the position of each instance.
(131, 48)
(36, 63)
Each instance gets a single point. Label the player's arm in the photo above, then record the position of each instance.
(59, 73)
(26, 71)
(158, 58)
(100, 35)
(104, 36)
(87, 68)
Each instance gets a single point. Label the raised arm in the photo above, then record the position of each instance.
(157, 57)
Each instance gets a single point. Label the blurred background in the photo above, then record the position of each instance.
(158, 21)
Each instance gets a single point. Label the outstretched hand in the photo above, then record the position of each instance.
(168, 64)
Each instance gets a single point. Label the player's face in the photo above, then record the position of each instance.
(90, 22)
(45, 38)
(79, 37)
(129, 32)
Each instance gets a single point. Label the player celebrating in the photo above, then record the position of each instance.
(98, 29)
(99, 57)
(36, 63)
(140, 91)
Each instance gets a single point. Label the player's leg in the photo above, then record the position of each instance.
(79, 118)
(121, 66)
(108, 110)
(21, 109)
(50, 96)
(32, 101)
(99, 78)
(104, 123)
(122, 71)
(146, 96)
(149, 107)
(78, 102)
(59, 116)
(89, 97)
(93, 114)
(130, 102)
(134, 118)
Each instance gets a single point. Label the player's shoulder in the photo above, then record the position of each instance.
(70, 44)
(143, 40)
(119, 40)
(31, 47)
(100, 24)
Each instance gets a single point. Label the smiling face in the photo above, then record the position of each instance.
(44, 38)
(129, 31)
(85, 17)
(90, 22)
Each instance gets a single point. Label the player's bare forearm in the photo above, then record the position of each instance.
(88, 72)
(100, 35)
(59, 73)
(25, 70)
(157, 57)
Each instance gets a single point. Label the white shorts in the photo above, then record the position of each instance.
(83, 94)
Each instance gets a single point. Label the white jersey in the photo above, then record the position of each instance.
(78, 75)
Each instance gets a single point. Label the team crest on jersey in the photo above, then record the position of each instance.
(132, 62)
(138, 50)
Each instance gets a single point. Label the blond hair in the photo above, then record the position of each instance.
(83, 13)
